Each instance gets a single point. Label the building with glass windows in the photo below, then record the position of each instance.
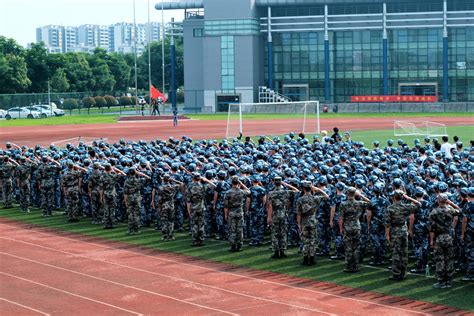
(327, 50)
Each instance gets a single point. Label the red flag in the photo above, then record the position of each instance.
(155, 94)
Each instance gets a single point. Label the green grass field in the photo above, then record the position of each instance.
(96, 118)
(62, 120)
(369, 278)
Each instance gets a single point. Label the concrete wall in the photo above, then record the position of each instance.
(229, 9)
(193, 63)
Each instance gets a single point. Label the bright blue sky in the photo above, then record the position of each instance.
(20, 18)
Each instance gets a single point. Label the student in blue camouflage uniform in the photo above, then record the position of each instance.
(109, 194)
(256, 208)
(375, 224)
(85, 199)
(6, 177)
(48, 171)
(145, 209)
(23, 179)
(419, 232)
(467, 234)
(179, 200)
(209, 215)
(132, 199)
(222, 187)
(166, 204)
(95, 193)
(338, 198)
(323, 218)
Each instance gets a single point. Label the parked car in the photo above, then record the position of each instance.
(15, 113)
(141, 101)
(2, 114)
(51, 108)
(42, 109)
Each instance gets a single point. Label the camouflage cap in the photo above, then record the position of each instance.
(351, 190)
(166, 176)
(306, 184)
(277, 179)
(196, 176)
(235, 180)
(442, 198)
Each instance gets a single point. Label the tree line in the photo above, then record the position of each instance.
(29, 70)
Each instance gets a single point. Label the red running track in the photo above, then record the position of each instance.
(46, 273)
(196, 129)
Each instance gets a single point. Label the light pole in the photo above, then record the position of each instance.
(135, 55)
(149, 55)
(163, 49)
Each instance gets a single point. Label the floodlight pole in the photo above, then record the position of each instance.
(135, 56)
(163, 32)
(149, 55)
(173, 67)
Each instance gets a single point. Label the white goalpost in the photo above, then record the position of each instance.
(419, 128)
(303, 116)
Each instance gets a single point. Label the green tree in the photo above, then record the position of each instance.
(103, 79)
(120, 70)
(111, 101)
(59, 82)
(79, 73)
(10, 46)
(38, 71)
(15, 77)
(124, 101)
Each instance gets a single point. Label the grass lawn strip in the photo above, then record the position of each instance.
(372, 279)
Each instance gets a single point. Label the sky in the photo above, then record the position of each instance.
(20, 18)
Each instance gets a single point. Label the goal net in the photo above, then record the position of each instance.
(419, 128)
(292, 117)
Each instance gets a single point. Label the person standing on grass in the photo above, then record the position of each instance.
(109, 195)
(256, 208)
(48, 171)
(441, 222)
(71, 185)
(349, 225)
(467, 234)
(166, 205)
(234, 213)
(95, 193)
(307, 207)
(23, 179)
(278, 209)
(6, 176)
(132, 199)
(396, 232)
(195, 205)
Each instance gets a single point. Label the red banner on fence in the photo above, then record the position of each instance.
(393, 98)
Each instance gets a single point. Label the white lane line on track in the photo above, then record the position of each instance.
(24, 306)
(69, 293)
(229, 273)
(158, 274)
(117, 283)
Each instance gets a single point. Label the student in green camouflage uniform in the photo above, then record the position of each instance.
(109, 195)
(306, 208)
(277, 208)
(195, 205)
(48, 171)
(133, 199)
(349, 226)
(23, 171)
(396, 232)
(6, 176)
(71, 184)
(234, 213)
(95, 193)
(440, 223)
(166, 205)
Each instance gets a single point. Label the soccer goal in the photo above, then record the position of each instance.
(301, 116)
(419, 128)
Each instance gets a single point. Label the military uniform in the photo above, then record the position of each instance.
(279, 199)
(221, 228)
(307, 207)
(324, 229)
(48, 176)
(108, 188)
(468, 211)
(378, 205)
(440, 222)
(70, 181)
(24, 175)
(195, 197)
(257, 215)
(167, 206)
(95, 184)
(6, 174)
(131, 189)
(421, 236)
(233, 201)
(351, 212)
(396, 216)
(338, 199)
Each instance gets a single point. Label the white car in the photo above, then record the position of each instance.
(141, 101)
(43, 110)
(16, 113)
(53, 108)
(2, 114)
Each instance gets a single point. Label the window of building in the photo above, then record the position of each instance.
(227, 63)
(199, 32)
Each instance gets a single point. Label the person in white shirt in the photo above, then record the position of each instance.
(446, 147)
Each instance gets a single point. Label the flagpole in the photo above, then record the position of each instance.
(135, 55)
(149, 55)
(163, 32)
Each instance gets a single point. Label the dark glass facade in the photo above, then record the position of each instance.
(415, 54)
